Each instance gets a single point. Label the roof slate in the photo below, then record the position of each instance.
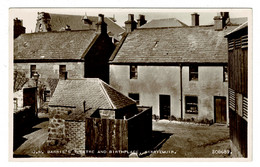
(200, 44)
(53, 45)
(59, 21)
(237, 21)
(245, 25)
(94, 91)
(160, 23)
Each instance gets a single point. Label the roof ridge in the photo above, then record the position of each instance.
(202, 26)
(106, 94)
(49, 32)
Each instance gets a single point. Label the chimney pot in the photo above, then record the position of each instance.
(130, 24)
(195, 19)
(101, 25)
(100, 18)
(141, 21)
(130, 17)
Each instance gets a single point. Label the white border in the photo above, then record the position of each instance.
(117, 3)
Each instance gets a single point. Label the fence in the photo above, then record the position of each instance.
(117, 137)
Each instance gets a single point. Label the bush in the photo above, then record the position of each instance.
(155, 117)
(172, 118)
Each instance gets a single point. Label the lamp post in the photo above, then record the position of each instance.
(36, 78)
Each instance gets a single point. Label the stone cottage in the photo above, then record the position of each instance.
(63, 54)
(180, 71)
(76, 100)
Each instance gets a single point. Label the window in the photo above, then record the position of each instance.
(15, 104)
(225, 74)
(191, 104)
(32, 70)
(194, 73)
(62, 72)
(133, 72)
(47, 95)
(134, 96)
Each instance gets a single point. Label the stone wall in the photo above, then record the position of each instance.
(56, 129)
(51, 69)
(68, 135)
(75, 136)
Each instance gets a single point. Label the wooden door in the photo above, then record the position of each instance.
(220, 109)
(165, 106)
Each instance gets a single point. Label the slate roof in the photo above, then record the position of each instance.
(160, 23)
(53, 45)
(94, 91)
(59, 21)
(245, 25)
(200, 44)
(237, 21)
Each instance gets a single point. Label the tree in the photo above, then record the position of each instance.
(19, 80)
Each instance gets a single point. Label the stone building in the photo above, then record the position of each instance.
(61, 55)
(47, 22)
(238, 89)
(180, 71)
(74, 101)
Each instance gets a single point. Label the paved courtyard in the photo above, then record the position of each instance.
(170, 139)
(192, 140)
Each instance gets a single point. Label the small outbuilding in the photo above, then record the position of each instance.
(89, 117)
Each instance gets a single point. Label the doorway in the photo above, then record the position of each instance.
(220, 109)
(165, 106)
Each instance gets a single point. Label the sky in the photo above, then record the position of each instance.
(29, 15)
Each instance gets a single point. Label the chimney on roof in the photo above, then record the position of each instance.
(130, 24)
(18, 27)
(220, 21)
(101, 25)
(141, 21)
(195, 21)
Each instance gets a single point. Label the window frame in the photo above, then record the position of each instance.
(133, 71)
(225, 73)
(135, 99)
(62, 71)
(193, 73)
(191, 103)
(32, 70)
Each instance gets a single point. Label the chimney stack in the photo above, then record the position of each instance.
(130, 24)
(101, 25)
(195, 21)
(18, 27)
(141, 21)
(220, 20)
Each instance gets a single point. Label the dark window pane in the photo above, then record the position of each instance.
(191, 104)
(193, 73)
(133, 72)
